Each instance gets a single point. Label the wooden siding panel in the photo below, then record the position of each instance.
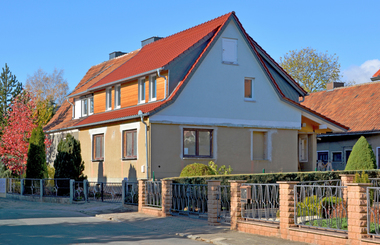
(161, 86)
(100, 101)
(129, 94)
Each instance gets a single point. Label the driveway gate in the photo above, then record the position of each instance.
(224, 203)
(104, 191)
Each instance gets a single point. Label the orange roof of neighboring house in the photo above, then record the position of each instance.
(357, 106)
(161, 52)
(63, 117)
(377, 74)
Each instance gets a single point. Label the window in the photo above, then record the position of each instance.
(229, 54)
(91, 105)
(259, 145)
(142, 90)
(302, 151)
(109, 98)
(117, 96)
(197, 143)
(84, 107)
(98, 147)
(337, 156)
(130, 144)
(248, 89)
(153, 88)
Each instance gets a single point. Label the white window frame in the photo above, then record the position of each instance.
(126, 127)
(93, 132)
(252, 89)
(141, 84)
(83, 107)
(108, 102)
(117, 96)
(151, 98)
(306, 159)
(332, 155)
(268, 138)
(225, 58)
(89, 105)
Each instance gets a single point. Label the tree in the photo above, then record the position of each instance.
(52, 87)
(9, 89)
(15, 140)
(68, 163)
(312, 70)
(36, 162)
(362, 156)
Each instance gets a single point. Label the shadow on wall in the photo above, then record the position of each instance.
(132, 174)
(101, 176)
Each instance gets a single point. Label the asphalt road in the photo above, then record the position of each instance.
(42, 223)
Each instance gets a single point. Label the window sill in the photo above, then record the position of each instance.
(141, 102)
(153, 99)
(198, 158)
(249, 100)
(229, 63)
(129, 159)
(97, 160)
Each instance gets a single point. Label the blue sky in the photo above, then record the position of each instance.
(75, 35)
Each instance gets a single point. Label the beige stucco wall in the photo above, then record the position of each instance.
(233, 148)
(113, 168)
(55, 139)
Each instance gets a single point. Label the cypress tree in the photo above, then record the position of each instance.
(362, 156)
(68, 163)
(36, 163)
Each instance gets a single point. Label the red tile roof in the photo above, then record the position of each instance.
(377, 74)
(161, 52)
(357, 106)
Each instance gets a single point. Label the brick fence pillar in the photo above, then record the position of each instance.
(235, 211)
(212, 202)
(286, 189)
(357, 211)
(141, 194)
(166, 197)
(346, 179)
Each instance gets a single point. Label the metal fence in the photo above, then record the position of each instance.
(153, 193)
(332, 182)
(13, 186)
(375, 182)
(59, 187)
(105, 191)
(262, 203)
(79, 194)
(323, 207)
(32, 187)
(224, 203)
(373, 211)
(189, 199)
(131, 193)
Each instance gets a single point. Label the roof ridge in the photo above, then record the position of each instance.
(345, 87)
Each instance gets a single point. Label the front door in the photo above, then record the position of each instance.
(323, 156)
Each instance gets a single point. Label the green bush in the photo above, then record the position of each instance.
(68, 163)
(223, 170)
(362, 156)
(309, 207)
(196, 169)
(36, 163)
(363, 178)
(328, 204)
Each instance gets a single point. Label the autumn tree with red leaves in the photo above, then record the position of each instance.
(15, 140)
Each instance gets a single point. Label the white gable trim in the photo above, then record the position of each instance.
(223, 122)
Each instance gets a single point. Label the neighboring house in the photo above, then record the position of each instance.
(209, 93)
(356, 106)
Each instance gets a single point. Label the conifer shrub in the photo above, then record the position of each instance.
(362, 156)
(196, 169)
(68, 163)
(36, 163)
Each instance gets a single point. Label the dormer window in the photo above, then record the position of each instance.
(142, 90)
(117, 96)
(84, 107)
(109, 98)
(153, 88)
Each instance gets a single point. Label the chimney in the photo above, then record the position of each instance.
(332, 85)
(149, 40)
(115, 54)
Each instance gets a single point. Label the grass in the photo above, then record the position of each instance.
(329, 223)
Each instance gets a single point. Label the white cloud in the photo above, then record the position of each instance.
(362, 73)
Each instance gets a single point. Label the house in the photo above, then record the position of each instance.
(208, 93)
(356, 106)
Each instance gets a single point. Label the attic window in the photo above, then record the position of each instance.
(109, 98)
(229, 51)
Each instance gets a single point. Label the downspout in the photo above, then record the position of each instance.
(146, 142)
(67, 98)
(158, 73)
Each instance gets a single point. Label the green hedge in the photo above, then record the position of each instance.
(272, 177)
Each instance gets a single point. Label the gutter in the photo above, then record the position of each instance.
(349, 133)
(146, 142)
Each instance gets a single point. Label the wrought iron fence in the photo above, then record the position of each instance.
(375, 182)
(224, 203)
(153, 193)
(189, 199)
(373, 211)
(105, 191)
(261, 202)
(57, 187)
(78, 191)
(332, 182)
(323, 207)
(131, 193)
(13, 186)
(32, 187)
